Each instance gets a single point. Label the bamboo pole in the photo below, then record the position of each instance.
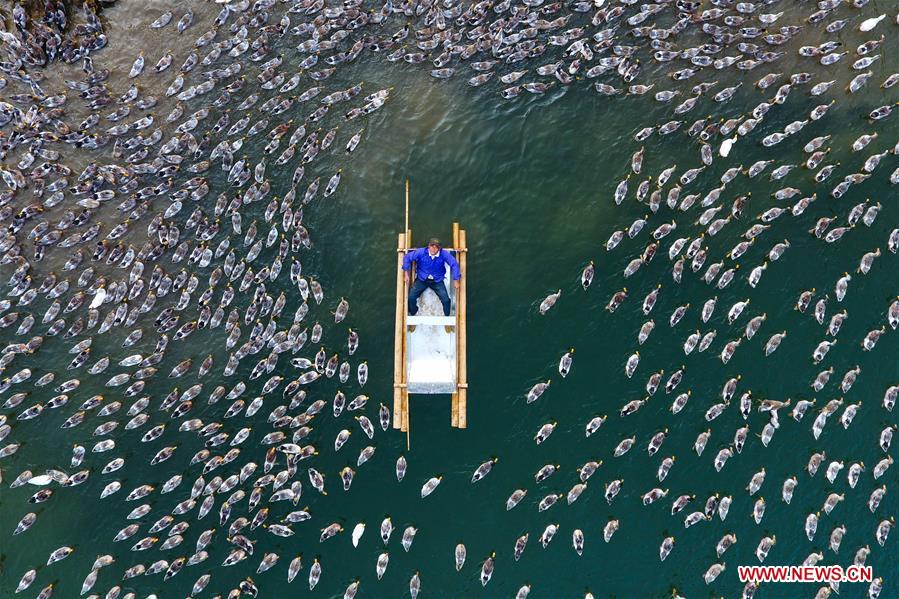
(399, 379)
(408, 236)
(461, 334)
(405, 400)
(404, 397)
(454, 409)
(455, 398)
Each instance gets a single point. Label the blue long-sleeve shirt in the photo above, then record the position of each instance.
(432, 267)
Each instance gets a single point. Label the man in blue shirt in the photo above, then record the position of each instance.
(430, 266)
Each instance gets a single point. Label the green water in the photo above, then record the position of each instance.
(531, 181)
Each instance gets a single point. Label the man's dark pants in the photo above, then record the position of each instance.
(420, 286)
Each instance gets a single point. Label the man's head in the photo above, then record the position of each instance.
(433, 246)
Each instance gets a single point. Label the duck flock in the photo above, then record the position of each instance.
(150, 209)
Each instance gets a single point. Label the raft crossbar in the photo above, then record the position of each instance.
(431, 320)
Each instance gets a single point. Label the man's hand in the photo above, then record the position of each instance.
(406, 276)
(456, 284)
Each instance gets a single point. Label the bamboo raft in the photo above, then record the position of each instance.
(430, 360)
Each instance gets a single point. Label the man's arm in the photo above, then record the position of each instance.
(408, 259)
(455, 272)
